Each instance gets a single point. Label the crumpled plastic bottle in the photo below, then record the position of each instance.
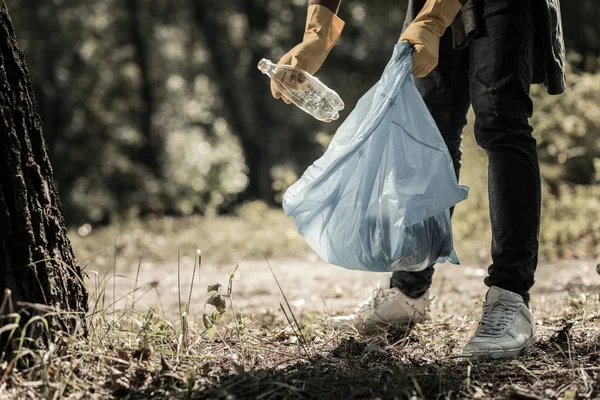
(304, 90)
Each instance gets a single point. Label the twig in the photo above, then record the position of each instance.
(230, 295)
(137, 275)
(7, 370)
(298, 335)
(294, 356)
(179, 287)
(197, 261)
(114, 277)
(528, 371)
(301, 336)
(225, 343)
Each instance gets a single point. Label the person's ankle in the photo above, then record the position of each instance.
(412, 292)
(525, 295)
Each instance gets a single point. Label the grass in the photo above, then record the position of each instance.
(255, 230)
(151, 337)
(141, 352)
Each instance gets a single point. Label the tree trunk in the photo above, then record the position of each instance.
(38, 271)
(246, 111)
(151, 154)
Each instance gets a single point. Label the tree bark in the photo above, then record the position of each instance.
(38, 270)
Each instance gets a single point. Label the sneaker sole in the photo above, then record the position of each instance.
(500, 354)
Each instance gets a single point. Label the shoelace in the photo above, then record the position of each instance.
(376, 298)
(497, 317)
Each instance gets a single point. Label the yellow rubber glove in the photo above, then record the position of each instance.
(425, 31)
(323, 29)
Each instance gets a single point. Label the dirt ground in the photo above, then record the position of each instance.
(424, 363)
(314, 286)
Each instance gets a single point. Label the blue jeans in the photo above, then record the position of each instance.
(493, 74)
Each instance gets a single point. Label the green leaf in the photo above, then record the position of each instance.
(569, 395)
(211, 333)
(207, 321)
(214, 287)
(190, 378)
(216, 316)
(217, 301)
(210, 319)
(235, 275)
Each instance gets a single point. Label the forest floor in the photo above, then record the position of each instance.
(152, 341)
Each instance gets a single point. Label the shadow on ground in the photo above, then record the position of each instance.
(371, 369)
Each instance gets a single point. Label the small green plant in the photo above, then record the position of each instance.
(217, 300)
(184, 309)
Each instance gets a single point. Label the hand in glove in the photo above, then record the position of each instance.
(425, 31)
(323, 29)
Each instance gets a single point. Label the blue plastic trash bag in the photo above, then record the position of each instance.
(379, 198)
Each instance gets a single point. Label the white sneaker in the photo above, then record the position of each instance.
(387, 307)
(506, 327)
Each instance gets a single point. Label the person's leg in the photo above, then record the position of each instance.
(446, 92)
(500, 78)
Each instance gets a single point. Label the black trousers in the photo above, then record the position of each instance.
(493, 75)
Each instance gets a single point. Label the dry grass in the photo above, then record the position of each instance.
(150, 337)
(140, 352)
(254, 230)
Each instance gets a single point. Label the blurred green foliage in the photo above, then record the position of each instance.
(158, 108)
(153, 108)
(567, 128)
(568, 132)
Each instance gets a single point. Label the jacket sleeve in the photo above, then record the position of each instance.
(333, 5)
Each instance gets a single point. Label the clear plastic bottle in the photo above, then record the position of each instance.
(304, 90)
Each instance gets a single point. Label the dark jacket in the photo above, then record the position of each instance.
(549, 65)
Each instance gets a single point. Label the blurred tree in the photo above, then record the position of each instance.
(239, 33)
(568, 128)
(582, 32)
(153, 148)
(233, 63)
(157, 107)
(112, 79)
(37, 265)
